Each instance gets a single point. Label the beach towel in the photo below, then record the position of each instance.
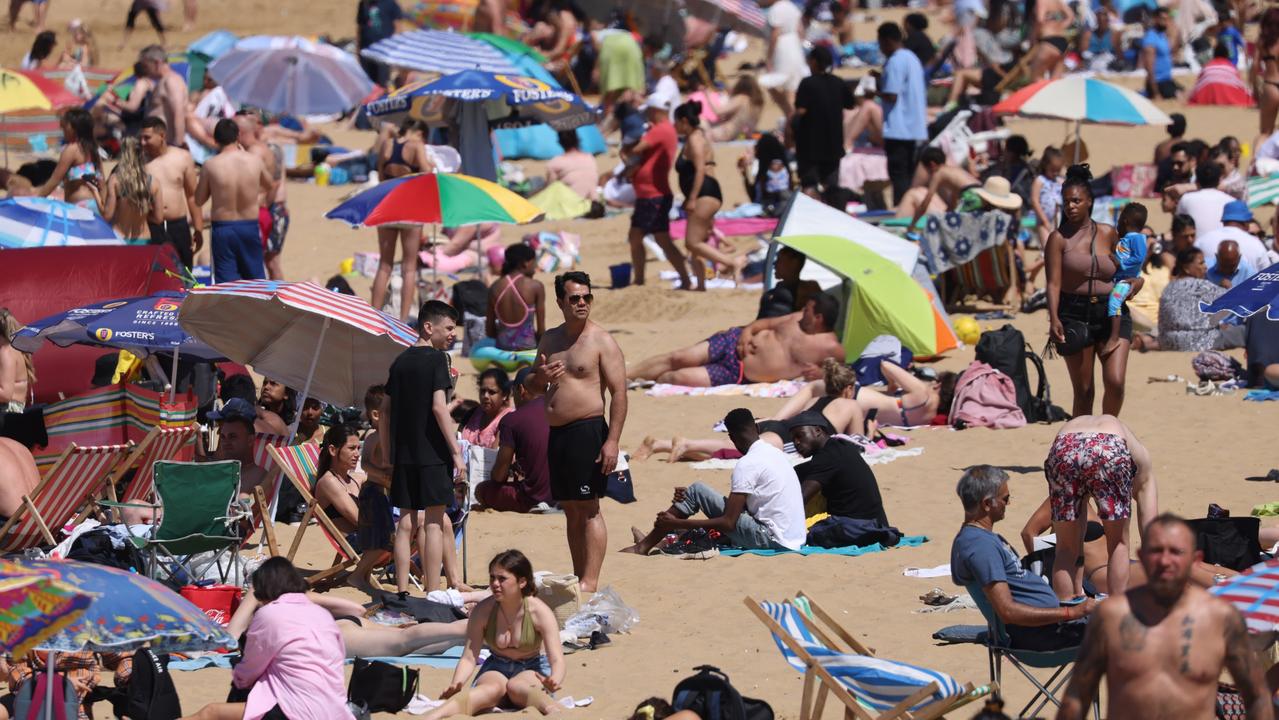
(445, 660)
(730, 226)
(558, 201)
(779, 389)
(1261, 395)
(885, 455)
(953, 239)
(850, 551)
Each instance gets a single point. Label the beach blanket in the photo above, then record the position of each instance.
(779, 389)
(1261, 395)
(672, 277)
(953, 239)
(730, 226)
(851, 551)
(446, 660)
(882, 457)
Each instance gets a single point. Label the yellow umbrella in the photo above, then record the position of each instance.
(18, 92)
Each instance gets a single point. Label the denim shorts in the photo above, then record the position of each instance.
(509, 668)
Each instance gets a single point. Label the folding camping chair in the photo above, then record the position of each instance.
(999, 647)
(73, 481)
(870, 688)
(201, 513)
(159, 444)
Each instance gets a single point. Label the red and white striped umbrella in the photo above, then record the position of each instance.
(1255, 593)
(332, 346)
(1219, 83)
(741, 15)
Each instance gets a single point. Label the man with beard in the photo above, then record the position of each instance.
(1163, 645)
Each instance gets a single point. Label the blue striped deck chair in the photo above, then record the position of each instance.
(871, 688)
(999, 647)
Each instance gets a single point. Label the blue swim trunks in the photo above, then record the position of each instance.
(724, 366)
(237, 251)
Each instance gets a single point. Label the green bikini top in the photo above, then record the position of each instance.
(530, 638)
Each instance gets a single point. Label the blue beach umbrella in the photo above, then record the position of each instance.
(437, 51)
(511, 100)
(34, 222)
(141, 325)
(1249, 297)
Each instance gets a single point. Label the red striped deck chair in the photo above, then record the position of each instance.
(174, 443)
(298, 464)
(265, 493)
(75, 479)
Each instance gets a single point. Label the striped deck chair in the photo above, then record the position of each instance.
(74, 480)
(264, 494)
(870, 688)
(161, 443)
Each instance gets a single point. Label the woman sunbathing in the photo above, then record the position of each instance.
(907, 401)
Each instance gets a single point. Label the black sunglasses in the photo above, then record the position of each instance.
(588, 298)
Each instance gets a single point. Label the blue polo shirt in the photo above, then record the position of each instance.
(980, 557)
(1243, 272)
(906, 117)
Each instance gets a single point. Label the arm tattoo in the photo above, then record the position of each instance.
(1245, 668)
(1090, 665)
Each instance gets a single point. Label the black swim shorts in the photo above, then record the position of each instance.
(571, 451)
(1058, 42)
(1092, 311)
(653, 215)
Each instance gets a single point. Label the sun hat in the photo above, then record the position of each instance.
(998, 192)
(1236, 211)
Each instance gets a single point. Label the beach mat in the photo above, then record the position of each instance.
(850, 551)
(445, 660)
(779, 389)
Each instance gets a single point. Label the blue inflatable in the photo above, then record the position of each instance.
(486, 354)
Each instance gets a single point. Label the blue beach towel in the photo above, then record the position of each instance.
(852, 550)
(445, 660)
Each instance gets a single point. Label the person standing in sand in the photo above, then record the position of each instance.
(181, 221)
(131, 201)
(234, 179)
(576, 363)
(1162, 646)
(169, 98)
(250, 125)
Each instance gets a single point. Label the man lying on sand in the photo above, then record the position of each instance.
(765, 351)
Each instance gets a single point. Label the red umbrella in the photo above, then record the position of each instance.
(1219, 84)
(58, 94)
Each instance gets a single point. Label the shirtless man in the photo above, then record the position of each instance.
(169, 99)
(174, 169)
(949, 182)
(235, 442)
(234, 179)
(271, 201)
(1163, 645)
(767, 350)
(273, 400)
(576, 363)
(1053, 19)
(20, 477)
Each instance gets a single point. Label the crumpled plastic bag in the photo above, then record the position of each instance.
(605, 611)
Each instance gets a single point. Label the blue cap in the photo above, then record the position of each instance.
(1236, 211)
(236, 407)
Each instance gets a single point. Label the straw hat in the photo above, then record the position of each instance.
(999, 193)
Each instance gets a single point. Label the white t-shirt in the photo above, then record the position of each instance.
(1250, 248)
(774, 498)
(1205, 207)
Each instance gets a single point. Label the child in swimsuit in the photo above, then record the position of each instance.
(1130, 254)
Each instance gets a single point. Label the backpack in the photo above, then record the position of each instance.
(151, 694)
(378, 686)
(713, 697)
(1006, 350)
(985, 397)
(96, 546)
(28, 703)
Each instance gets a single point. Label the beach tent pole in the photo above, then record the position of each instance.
(1079, 140)
(173, 376)
(48, 685)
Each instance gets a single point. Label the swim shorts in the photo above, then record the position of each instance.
(1092, 311)
(571, 451)
(1080, 464)
(724, 366)
(653, 215)
(176, 232)
(237, 251)
(1058, 42)
(279, 214)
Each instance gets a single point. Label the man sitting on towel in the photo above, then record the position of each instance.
(985, 562)
(767, 350)
(835, 470)
(764, 508)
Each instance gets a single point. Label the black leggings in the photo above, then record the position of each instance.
(143, 6)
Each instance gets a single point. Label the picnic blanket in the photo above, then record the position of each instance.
(850, 551)
(953, 239)
(882, 457)
(446, 660)
(731, 226)
(779, 389)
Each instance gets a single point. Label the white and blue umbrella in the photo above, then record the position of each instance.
(35, 222)
(511, 100)
(439, 52)
(291, 75)
(1250, 296)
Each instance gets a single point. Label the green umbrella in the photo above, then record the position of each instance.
(1263, 190)
(879, 297)
(509, 46)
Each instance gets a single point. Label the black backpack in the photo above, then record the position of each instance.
(96, 546)
(1006, 350)
(378, 686)
(151, 695)
(1229, 541)
(713, 697)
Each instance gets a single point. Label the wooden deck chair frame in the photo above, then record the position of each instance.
(92, 486)
(136, 456)
(345, 556)
(818, 682)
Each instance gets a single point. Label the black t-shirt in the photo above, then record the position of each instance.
(375, 20)
(919, 43)
(416, 438)
(819, 132)
(846, 481)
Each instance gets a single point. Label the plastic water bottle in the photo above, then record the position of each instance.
(322, 174)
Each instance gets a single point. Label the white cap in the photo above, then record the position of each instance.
(656, 101)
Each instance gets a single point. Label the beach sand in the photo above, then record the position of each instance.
(691, 611)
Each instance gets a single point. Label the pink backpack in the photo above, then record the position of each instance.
(985, 397)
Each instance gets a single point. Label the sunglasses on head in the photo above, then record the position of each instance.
(587, 298)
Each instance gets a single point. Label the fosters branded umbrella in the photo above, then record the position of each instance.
(511, 100)
(1250, 297)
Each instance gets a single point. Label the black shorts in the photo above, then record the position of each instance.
(1047, 638)
(571, 451)
(177, 233)
(1091, 310)
(1058, 42)
(777, 427)
(653, 215)
(1167, 89)
(418, 487)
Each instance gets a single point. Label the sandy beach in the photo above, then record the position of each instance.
(691, 611)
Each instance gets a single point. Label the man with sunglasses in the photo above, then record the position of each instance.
(576, 363)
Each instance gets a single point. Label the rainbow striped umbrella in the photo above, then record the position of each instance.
(1255, 593)
(34, 608)
(1084, 100)
(450, 200)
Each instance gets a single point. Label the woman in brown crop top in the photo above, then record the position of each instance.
(1080, 264)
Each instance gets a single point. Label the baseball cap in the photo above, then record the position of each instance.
(656, 102)
(810, 417)
(234, 408)
(1236, 211)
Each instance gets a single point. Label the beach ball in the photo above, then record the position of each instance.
(967, 330)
